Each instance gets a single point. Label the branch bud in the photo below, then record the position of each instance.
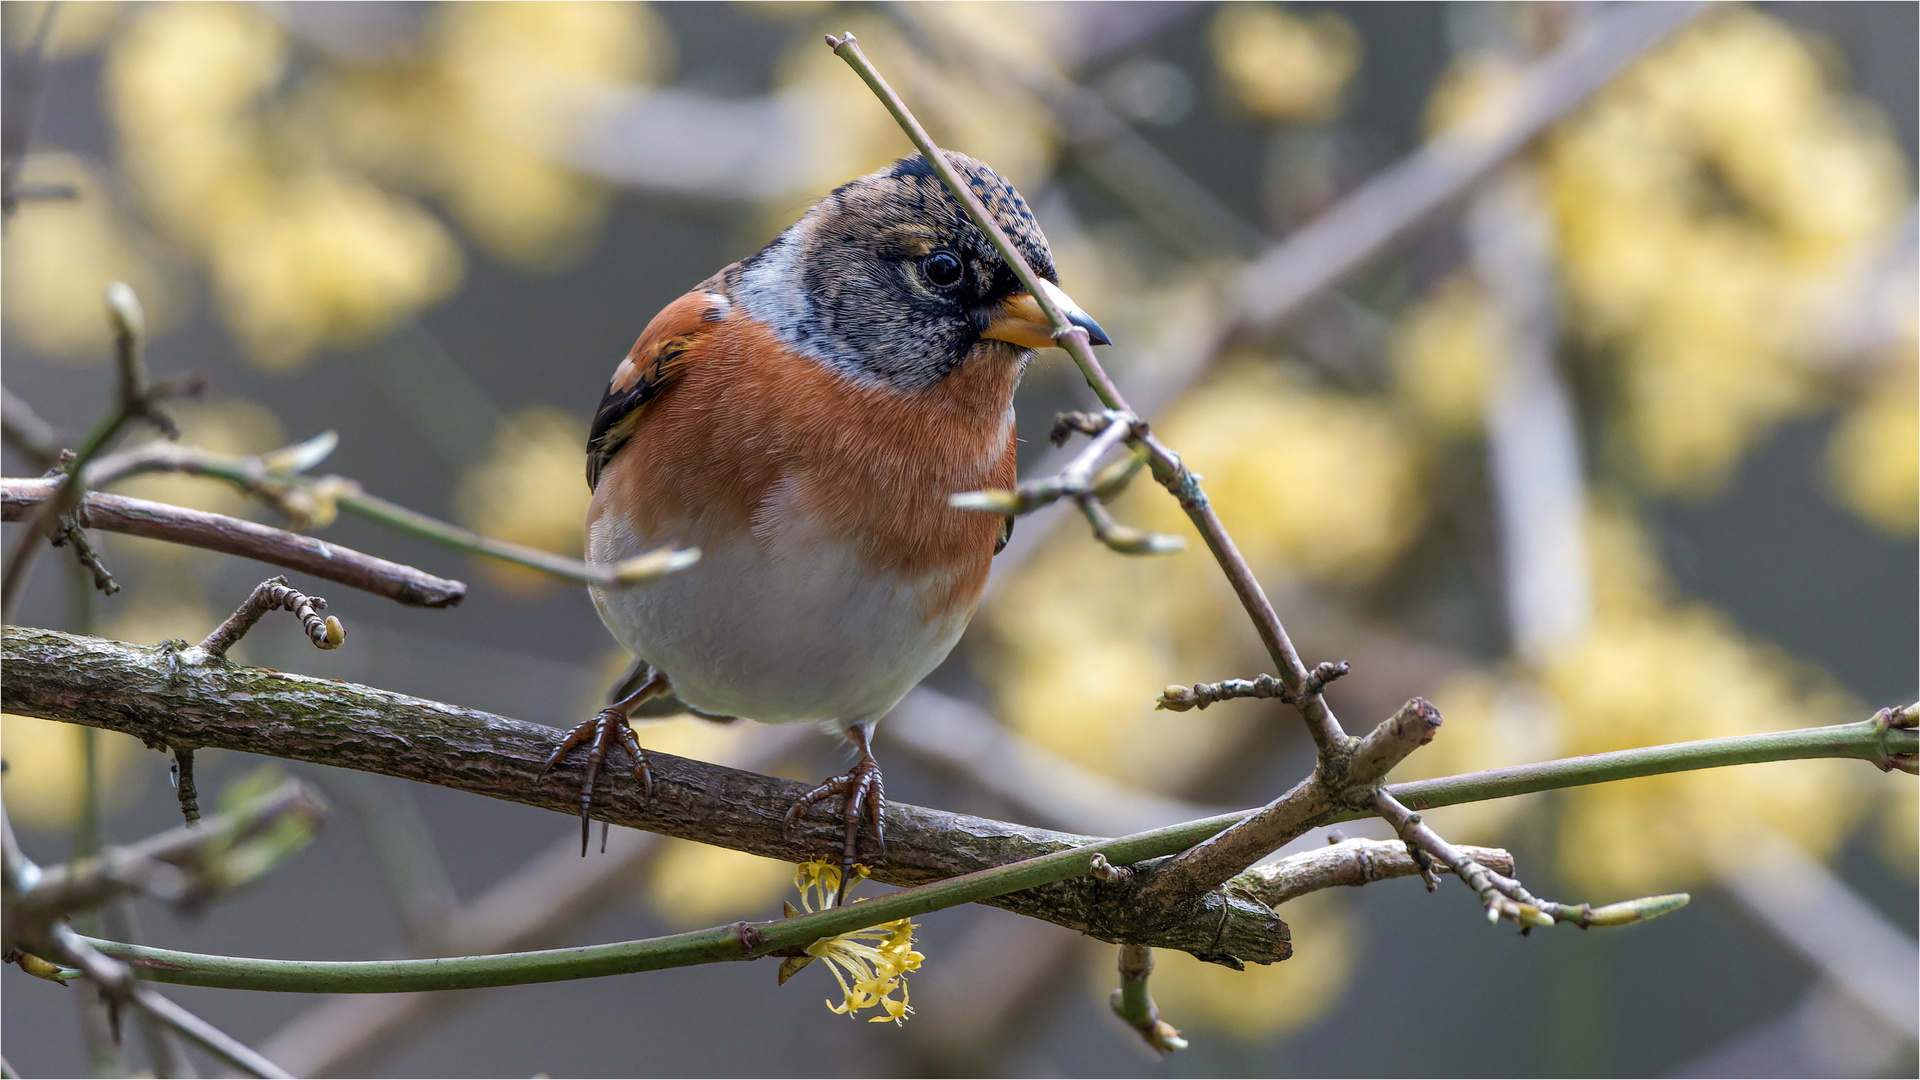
(989, 500)
(123, 308)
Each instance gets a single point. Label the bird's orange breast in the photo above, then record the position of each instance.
(750, 429)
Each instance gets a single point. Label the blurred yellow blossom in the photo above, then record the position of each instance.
(276, 182)
(46, 765)
(530, 489)
(1874, 460)
(1654, 671)
(174, 609)
(1084, 641)
(1650, 670)
(1282, 66)
(693, 885)
(1265, 1000)
(300, 253)
(1473, 90)
(1704, 203)
(1441, 351)
(483, 117)
(1271, 450)
(61, 254)
(1681, 674)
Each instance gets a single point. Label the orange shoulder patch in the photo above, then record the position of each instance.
(664, 349)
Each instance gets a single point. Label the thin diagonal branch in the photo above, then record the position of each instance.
(277, 479)
(1167, 468)
(235, 536)
(138, 400)
(221, 1045)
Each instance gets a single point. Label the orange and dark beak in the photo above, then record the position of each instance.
(1020, 319)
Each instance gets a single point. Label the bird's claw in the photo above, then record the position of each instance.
(602, 730)
(863, 794)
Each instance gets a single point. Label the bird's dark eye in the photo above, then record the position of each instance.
(942, 269)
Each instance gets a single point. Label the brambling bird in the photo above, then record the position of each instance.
(802, 417)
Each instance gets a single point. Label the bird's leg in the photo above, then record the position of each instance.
(862, 791)
(607, 725)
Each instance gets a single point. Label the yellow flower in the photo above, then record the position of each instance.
(871, 964)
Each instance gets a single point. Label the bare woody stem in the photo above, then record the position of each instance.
(276, 478)
(235, 536)
(1503, 896)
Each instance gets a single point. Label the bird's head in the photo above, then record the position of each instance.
(888, 279)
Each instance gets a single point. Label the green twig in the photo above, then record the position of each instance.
(739, 941)
(277, 478)
(1132, 1003)
(1873, 740)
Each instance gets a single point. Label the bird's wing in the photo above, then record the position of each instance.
(660, 355)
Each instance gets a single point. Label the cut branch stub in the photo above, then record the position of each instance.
(1387, 745)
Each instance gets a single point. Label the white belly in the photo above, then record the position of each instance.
(776, 628)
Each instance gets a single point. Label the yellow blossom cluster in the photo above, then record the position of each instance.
(1653, 671)
(1650, 670)
(1874, 459)
(1705, 202)
(60, 256)
(483, 117)
(292, 191)
(1082, 641)
(870, 965)
(1442, 351)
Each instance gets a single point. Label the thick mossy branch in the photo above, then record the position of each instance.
(162, 696)
(159, 694)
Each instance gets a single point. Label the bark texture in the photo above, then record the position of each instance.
(173, 694)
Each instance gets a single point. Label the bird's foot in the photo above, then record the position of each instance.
(863, 794)
(607, 726)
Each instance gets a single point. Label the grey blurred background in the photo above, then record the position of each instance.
(691, 149)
